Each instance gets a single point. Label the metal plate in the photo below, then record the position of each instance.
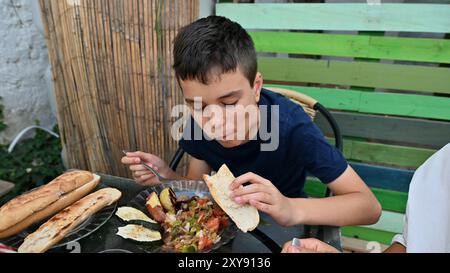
(188, 188)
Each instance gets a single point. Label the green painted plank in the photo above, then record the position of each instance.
(383, 237)
(361, 46)
(351, 17)
(367, 74)
(402, 156)
(389, 221)
(377, 102)
(426, 133)
(390, 200)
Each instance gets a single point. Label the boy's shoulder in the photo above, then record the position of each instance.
(291, 114)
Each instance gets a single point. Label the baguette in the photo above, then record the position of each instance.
(62, 223)
(45, 201)
(245, 217)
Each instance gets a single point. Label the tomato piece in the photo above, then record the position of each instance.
(217, 212)
(224, 221)
(203, 201)
(204, 243)
(213, 224)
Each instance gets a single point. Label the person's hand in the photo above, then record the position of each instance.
(140, 173)
(264, 196)
(309, 246)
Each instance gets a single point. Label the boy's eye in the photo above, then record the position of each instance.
(229, 103)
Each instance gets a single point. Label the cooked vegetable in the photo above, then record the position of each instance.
(129, 214)
(139, 233)
(168, 200)
(155, 208)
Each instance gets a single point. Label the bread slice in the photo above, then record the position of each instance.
(246, 217)
(55, 229)
(52, 209)
(38, 199)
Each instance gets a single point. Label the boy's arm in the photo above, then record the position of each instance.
(197, 168)
(354, 203)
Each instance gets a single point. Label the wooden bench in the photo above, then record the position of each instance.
(393, 115)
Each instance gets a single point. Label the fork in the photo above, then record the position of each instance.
(161, 178)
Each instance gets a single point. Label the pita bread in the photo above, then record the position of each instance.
(246, 217)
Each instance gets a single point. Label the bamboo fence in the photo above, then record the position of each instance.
(113, 78)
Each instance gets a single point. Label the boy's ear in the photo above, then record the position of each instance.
(257, 86)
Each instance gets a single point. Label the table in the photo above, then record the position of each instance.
(105, 238)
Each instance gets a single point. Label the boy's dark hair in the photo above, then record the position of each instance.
(213, 46)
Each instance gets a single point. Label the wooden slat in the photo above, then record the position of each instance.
(367, 74)
(350, 17)
(367, 234)
(390, 200)
(380, 177)
(389, 221)
(384, 154)
(408, 131)
(384, 177)
(354, 245)
(378, 102)
(361, 46)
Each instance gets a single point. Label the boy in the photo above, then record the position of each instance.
(215, 61)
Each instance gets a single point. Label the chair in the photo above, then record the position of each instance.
(311, 107)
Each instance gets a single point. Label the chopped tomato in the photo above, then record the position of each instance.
(213, 224)
(204, 243)
(224, 222)
(202, 201)
(218, 212)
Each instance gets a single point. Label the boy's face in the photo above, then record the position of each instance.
(227, 108)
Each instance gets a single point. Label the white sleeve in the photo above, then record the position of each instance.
(402, 238)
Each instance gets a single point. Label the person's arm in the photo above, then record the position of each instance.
(396, 248)
(354, 203)
(196, 168)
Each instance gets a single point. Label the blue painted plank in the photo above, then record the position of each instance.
(384, 177)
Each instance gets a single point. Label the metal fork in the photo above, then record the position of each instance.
(161, 178)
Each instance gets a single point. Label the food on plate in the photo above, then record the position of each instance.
(168, 199)
(55, 229)
(128, 214)
(196, 226)
(246, 217)
(155, 208)
(188, 224)
(43, 202)
(139, 233)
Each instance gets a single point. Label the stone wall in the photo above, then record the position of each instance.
(25, 77)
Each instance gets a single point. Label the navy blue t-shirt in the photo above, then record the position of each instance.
(302, 148)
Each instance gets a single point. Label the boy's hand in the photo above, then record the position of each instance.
(262, 195)
(140, 173)
(309, 246)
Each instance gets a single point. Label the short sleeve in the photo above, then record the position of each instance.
(311, 149)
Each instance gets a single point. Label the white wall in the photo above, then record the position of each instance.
(25, 84)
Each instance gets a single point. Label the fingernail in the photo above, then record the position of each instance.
(238, 200)
(296, 242)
